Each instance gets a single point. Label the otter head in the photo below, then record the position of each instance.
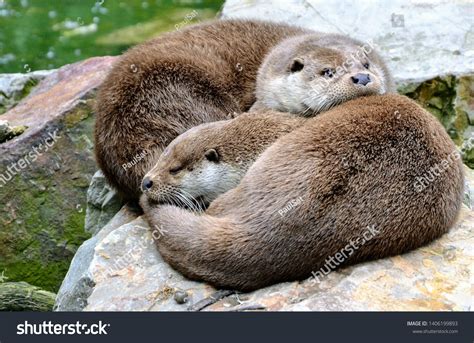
(191, 171)
(311, 73)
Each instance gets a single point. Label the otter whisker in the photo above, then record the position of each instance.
(193, 200)
(188, 203)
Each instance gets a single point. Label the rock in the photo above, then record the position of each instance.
(45, 172)
(14, 87)
(102, 204)
(78, 283)
(7, 132)
(21, 296)
(450, 99)
(407, 35)
(130, 275)
(181, 297)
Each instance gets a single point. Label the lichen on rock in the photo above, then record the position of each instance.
(8, 132)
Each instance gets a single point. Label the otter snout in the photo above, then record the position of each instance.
(361, 79)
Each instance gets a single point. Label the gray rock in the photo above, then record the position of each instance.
(408, 34)
(78, 283)
(8, 132)
(130, 275)
(14, 87)
(102, 204)
(5, 130)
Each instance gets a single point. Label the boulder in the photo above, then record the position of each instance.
(45, 172)
(8, 132)
(102, 204)
(78, 283)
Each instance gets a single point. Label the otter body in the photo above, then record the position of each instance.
(351, 169)
(212, 158)
(160, 89)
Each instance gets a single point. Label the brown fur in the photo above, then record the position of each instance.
(159, 89)
(353, 166)
(184, 173)
(307, 90)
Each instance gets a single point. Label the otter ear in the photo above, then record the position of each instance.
(296, 65)
(212, 155)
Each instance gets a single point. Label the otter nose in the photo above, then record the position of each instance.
(361, 79)
(147, 184)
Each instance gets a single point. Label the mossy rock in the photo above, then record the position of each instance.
(16, 87)
(450, 99)
(45, 205)
(43, 190)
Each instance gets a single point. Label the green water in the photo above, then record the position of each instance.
(41, 34)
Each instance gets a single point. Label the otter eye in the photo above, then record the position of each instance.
(366, 65)
(175, 170)
(212, 155)
(328, 72)
(296, 66)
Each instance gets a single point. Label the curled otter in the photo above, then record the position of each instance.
(287, 81)
(357, 166)
(208, 72)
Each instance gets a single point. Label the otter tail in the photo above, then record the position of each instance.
(203, 247)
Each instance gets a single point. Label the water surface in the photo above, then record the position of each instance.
(42, 34)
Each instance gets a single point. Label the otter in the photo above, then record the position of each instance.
(288, 76)
(163, 87)
(354, 167)
(313, 72)
(212, 158)
(208, 72)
